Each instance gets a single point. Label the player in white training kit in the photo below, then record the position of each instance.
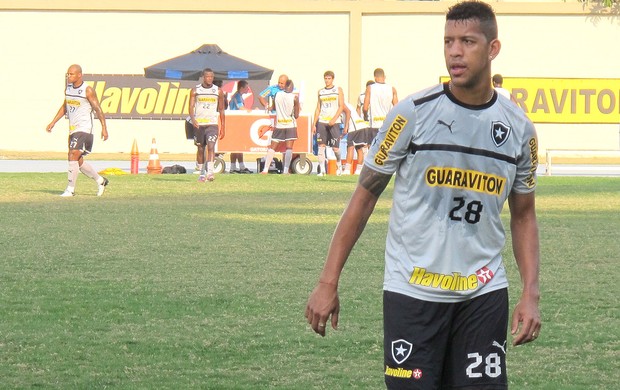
(354, 127)
(206, 110)
(379, 99)
(287, 112)
(327, 121)
(79, 105)
(458, 153)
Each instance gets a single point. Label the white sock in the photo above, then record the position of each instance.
(288, 156)
(72, 174)
(321, 156)
(89, 171)
(268, 159)
(210, 167)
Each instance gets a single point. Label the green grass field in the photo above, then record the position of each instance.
(169, 283)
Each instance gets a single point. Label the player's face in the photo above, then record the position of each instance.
(207, 78)
(467, 53)
(329, 81)
(282, 82)
(73, 75)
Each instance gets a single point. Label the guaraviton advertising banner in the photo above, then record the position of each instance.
(547, 100)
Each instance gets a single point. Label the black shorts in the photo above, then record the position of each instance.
(356, 138)
(281, 135)
(431, 345)
(81, 141)
(370, 134)
(204, 135)
(328, 135)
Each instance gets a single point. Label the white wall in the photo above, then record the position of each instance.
(38, 46)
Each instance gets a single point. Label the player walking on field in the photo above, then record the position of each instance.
(206, 103)
(80, 102)
(329, 106)
(458, 153)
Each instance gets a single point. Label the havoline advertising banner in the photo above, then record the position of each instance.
(562, 100)
(136, 97)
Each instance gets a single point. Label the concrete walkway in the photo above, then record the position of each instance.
(61, 166)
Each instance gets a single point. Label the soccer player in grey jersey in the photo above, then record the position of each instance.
(458, 153)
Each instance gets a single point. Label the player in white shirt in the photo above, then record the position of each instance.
(206, 110)
(378, 101)
(287, 112)
(80, 103)
(327, 121)
(458, 153)
(498, 82)
(354, 128)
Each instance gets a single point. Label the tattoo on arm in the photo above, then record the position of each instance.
(374, 181)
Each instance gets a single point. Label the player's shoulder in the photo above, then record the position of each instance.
(422, 96)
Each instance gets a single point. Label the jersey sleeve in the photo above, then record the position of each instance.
(394, 138)
(527, 161)
(267, 92)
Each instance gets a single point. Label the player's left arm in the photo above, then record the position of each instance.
(221, 107)
(394, 96)
(296, 107)
(94, 103)
(526, 322)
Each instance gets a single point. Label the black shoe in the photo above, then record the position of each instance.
(245, 170)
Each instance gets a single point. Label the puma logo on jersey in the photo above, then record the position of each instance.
(500, 346)
(449, 126)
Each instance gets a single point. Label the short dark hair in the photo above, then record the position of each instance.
(241, 84)
(329, 73)
(206, 70)
(498, 79)
(475, 10)
(379, 72)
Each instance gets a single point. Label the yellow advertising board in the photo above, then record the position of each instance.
(547, 100)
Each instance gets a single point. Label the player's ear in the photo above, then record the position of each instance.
(494, 48)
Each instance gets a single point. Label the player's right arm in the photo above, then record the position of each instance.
(323, 302)
(317, 111)
(61, 112)
(192, 107)
(263, 96)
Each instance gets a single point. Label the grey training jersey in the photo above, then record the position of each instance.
(455, 166)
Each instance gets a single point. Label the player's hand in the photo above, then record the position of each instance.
(222, 134)
(104, 134)
(322, 304)
(49, 127)
(526, 323)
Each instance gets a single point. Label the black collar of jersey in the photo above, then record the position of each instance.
(446, 90)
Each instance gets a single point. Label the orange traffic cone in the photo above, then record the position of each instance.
(135, 158)
(154, 166)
